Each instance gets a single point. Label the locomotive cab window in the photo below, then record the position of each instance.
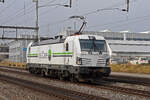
(93, 45)
(67, 46)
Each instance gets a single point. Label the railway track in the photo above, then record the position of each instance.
(51, 90)
(120, 79)
(125, 90)
(129, 91)
(112, 78)
(130, 80)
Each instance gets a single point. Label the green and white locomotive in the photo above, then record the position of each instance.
(77, 58)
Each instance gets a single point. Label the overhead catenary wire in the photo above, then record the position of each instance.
(104, 9)
(17, 13)
(85, 14)
(52, 1)
(7, 7)
(56, 5)
(108, 8)
(98, 10)
(121, 24)
(88, 13)
(119, 4)
(27, 19)
(120, 21)
(20, 10)
(44, 13)
(54, 23)
(41, 14)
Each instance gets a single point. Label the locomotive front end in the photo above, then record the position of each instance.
(93, 58)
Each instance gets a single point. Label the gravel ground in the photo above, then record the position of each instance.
(13, 92)
(137, 75)
(139, 87)
(3, 97)
(15, 69)
(84, 89)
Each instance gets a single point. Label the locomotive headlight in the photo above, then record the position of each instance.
(79, 61)
(107, 61)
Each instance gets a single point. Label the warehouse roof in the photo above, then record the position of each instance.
(126, 42)
(130, 48)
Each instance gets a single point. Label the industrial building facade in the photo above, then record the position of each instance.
(4, 52)
(123, 45)
(17, 49)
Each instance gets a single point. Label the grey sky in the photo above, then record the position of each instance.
(53, 19)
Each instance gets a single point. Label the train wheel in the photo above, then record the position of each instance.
(43, 73)
(31, 71)
(61, 77)
(73, 78)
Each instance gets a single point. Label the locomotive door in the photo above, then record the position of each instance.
(68, 53)
(65, 55)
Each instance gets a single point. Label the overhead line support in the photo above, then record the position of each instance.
(19, 27)
(37, 20)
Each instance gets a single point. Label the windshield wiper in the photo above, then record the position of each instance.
(96, 48)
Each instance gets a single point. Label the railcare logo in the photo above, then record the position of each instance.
(43, 55)
(49, 54)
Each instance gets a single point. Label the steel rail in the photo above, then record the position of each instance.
(120, 79)
(50, 90)
(129, 91)
(131, 80)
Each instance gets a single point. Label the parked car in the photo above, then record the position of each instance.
(143, 60)
(140, 60)
(149, 61)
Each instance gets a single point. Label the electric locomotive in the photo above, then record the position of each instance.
(77, 58)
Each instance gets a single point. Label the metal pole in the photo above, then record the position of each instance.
(70, 3)
(37, 19)
(2, 1)
(3, 33)
(16, 33)
(127, 5)
(75, 25)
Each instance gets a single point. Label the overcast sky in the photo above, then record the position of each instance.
(53, 19)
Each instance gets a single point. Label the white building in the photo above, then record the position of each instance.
(17, 49)
(124, 45)
(4, 51)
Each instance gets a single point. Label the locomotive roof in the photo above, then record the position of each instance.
(51, 41)
(60, 39)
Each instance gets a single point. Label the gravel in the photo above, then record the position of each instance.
(113, 95)
(139, 87)
(13, 92)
